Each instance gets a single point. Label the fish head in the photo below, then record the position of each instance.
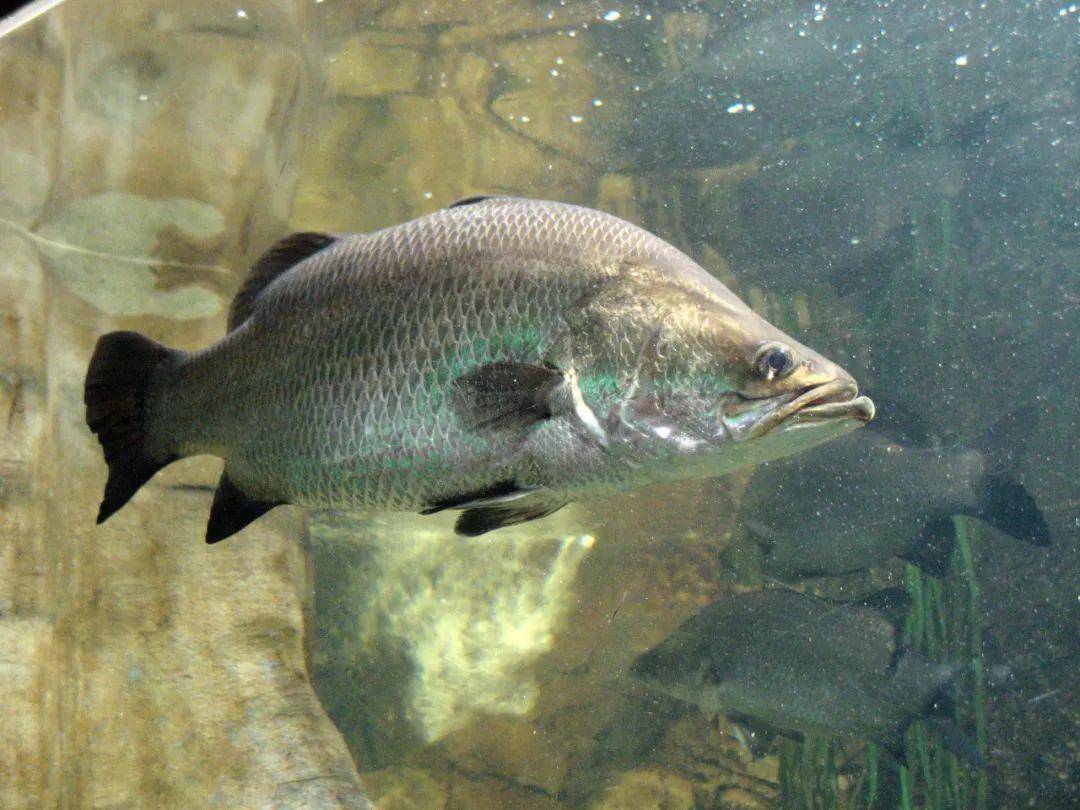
(680, 666)
(708, 385)
(693, 664)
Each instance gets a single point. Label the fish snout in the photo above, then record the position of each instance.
(830, 392)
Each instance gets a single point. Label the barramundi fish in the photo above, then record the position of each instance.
(802, 664)
(502, 357)
(871, 498)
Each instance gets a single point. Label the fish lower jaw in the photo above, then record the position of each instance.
(829, 402)
(860, 408)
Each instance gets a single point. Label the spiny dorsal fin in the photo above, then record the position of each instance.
(479, 198)
(280, 257)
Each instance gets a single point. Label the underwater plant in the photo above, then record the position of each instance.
(944, 624)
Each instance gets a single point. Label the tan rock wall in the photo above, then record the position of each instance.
(142, 155)
(148, 152)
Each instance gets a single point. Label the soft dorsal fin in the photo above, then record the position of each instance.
(479, 198)
(280, 257)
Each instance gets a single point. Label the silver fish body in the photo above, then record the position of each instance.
(798, 663)
(506, 354)
(868, 499)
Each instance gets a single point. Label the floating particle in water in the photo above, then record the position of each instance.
(819, 11)
(554, 72)
(611, 16)
(241, 14)
(596, 102)
(740, 107)
(576, 119)
(428, 195)
(524, 119)
(961, 60)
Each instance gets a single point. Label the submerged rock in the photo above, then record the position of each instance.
(453, 628)
(103, 249)
(650, 789)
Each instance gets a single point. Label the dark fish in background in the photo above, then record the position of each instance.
(842, 206)
(502, 357)
(760, 78)
(802, 664)
(869, 498)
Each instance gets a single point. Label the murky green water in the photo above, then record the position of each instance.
(897, 184)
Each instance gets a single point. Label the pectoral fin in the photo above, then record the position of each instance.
(507, 396)
(514, 396)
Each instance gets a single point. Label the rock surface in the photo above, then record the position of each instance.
(141, 668)
(148, 153)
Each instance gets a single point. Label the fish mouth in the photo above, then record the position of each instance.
(827, 402)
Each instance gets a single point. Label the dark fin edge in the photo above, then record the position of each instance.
(115, 397)
(932, 552)
(1009, 507)
(498, 493)
(475, 522)
(478, 198)
(232, 510)
(281, 256)
(938, 717)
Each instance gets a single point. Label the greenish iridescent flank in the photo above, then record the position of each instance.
(599, 388)
(515, 344)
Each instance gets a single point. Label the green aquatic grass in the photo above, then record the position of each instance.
(944, 623)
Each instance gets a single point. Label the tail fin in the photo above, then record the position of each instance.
(115, 397)
(1008, 507)
(1004, 503)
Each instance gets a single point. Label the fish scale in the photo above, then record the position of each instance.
(491, 350)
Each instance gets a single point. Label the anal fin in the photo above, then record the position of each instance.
(232, 510)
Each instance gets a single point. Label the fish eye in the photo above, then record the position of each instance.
(774, 361)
